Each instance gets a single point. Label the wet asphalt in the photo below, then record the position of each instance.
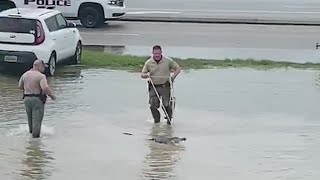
(210, 41)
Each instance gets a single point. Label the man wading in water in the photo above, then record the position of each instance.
(35, 91)
(158, 69)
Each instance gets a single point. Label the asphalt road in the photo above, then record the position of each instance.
(265, 11)
(210, 40)
(204, 35)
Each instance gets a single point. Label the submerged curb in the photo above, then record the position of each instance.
(218, 20)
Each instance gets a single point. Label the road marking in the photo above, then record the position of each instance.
(153, 12)
(302, 7)
(107, 34)
(132, 10)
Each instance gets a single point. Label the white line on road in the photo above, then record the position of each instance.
(130, 10)
(302, 7)
(153, 12)
(107, 34)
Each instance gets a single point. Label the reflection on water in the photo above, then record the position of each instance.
(317, 80)
(109, 49)
(162, 158)
(10, 98)
(267, 119)
(37, 161)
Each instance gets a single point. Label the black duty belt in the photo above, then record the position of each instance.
(166, 84)
(160, 85)
(31, 95)
(42, 97)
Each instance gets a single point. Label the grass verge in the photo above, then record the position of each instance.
(92, 58)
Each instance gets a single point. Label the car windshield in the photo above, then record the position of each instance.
(17, 25)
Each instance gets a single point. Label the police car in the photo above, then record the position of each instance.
(91, 13)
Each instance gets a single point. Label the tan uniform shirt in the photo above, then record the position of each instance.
(32, 82)
(159, 72)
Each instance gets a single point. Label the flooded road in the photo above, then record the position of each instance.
(239, 124)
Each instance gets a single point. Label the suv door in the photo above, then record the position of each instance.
(68, 35)
(56, 34)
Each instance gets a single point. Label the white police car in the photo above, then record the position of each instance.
(91, 13)
(27, 34)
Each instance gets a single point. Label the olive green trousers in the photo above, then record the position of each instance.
(35, 112)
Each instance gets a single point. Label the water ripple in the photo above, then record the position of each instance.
(162, 158)
(239, 124)
(37, 163)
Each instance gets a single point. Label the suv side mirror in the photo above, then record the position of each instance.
(71, 24)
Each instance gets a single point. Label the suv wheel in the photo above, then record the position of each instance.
(52, 65)
(91, 17)
(77, 55)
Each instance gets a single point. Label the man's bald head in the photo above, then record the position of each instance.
(38, 65)
(37, 62)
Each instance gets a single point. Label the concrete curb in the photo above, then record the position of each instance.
(219, 20)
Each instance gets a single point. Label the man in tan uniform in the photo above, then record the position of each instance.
(35, 91)
(158, 68)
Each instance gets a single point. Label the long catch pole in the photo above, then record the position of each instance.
(172, 100)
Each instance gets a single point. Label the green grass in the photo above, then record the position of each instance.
(92, 58)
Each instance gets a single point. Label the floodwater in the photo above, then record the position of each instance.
(289, 55)
(239, 124)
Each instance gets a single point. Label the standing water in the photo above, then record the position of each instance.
(239, 124)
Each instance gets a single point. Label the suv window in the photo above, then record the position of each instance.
(52, 24)
(62, 23)
(17, 25)
(56, 22)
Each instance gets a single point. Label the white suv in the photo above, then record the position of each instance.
(27, 34)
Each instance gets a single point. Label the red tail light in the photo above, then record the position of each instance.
(40, 37)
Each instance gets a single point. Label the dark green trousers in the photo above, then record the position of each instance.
(164, 93)
(35, 112)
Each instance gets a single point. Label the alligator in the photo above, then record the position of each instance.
(167, 140)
